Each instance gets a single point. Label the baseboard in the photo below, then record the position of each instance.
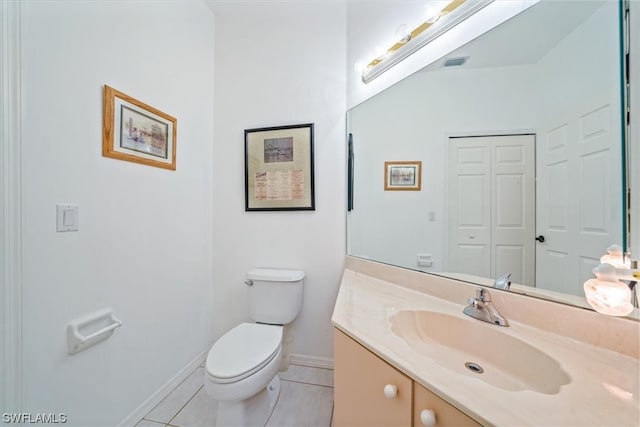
(311, 361)
(160, 394)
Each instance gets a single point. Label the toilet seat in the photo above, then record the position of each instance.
(243, 351)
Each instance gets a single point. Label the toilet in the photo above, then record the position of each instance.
(242, 366)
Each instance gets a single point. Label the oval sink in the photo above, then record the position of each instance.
(479, 350)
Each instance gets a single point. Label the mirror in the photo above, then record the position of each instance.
(519, 135)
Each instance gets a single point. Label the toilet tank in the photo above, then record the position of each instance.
(275, 296)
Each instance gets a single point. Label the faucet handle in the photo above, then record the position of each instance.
(483, 295)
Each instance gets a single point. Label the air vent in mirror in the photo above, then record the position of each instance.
(455, 62)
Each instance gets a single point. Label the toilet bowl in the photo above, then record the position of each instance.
(243, 361)
(241, 370)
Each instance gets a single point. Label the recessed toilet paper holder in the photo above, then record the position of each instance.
(91, 329)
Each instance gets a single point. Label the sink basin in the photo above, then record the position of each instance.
(479, 350)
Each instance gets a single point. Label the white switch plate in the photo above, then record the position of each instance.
(66, 217)
(425, 260)
(431, 216)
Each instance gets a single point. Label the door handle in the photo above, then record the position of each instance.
(540, 238)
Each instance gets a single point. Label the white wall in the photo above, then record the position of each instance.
(412, 121)
(588, 57)
(280, 63)
(144, 247)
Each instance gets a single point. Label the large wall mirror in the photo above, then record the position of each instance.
(520, 138)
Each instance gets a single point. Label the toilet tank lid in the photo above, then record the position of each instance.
(275, 275)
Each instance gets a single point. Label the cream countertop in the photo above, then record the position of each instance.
(604, 389)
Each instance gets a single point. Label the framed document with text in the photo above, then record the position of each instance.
(278, 168)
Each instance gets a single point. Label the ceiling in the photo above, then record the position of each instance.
(525, 38)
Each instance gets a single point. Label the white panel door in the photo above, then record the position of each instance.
(579, 210)
(553, 209)
(491, 206)
(513, 207)
(469, 206)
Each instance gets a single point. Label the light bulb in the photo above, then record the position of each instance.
(381, 53)
(402, 33)
(432, 15)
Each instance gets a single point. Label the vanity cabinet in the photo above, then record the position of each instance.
(370, 392)
(361, 380)
(445, 413)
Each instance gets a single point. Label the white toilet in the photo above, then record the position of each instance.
(242, 366)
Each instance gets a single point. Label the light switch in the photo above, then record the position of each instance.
(66, 217)
(431, 216)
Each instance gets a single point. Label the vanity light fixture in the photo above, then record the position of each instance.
(435, 24)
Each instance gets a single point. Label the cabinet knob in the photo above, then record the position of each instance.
(428, 418)
(390, 391)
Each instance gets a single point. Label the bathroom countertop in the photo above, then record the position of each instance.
(604, 389)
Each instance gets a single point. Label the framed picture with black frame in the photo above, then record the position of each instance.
(350, 176)
(278, 166)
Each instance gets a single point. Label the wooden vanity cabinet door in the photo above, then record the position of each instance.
(359, 381)
(446, 414)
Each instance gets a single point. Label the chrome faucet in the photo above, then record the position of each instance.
(481, 308)
(503, 282)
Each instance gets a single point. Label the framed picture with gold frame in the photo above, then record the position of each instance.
(278, 168)
(136, 132)
(403, 176)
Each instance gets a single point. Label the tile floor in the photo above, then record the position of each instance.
(306, 399)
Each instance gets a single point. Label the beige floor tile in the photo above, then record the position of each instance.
(171, 405)
(302, 405)
(306, 400)
(307, 375)
(201, 411)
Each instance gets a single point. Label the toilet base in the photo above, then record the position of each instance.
(253, 411)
